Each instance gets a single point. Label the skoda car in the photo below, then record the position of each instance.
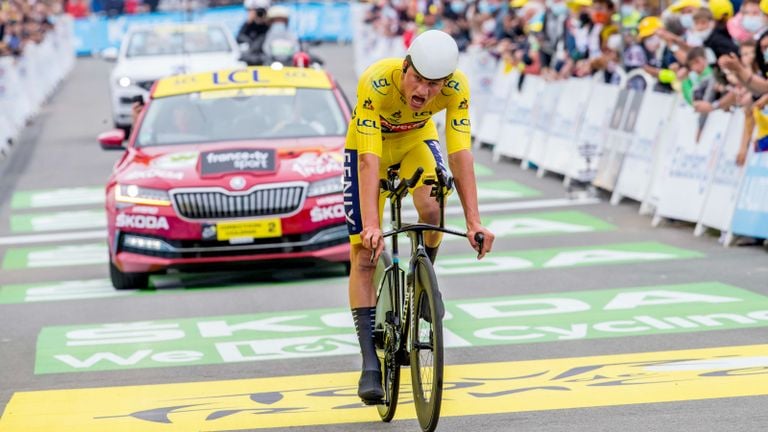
(229, 167)
(149, 53)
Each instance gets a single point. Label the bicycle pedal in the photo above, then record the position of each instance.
(373, 402)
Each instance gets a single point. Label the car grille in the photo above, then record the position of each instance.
(221, 205)
(146, 85)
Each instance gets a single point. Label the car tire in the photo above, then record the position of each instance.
(123, 281)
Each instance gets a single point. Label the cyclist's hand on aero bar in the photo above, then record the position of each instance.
(487, 239)
(373, 240)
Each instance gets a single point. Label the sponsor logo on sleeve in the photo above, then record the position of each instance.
(380, 84)
(237, 160)
(368, 104)
(464, 104)
(460, 125)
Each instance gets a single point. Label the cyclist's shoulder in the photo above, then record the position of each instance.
(379, 76)
(457, 85)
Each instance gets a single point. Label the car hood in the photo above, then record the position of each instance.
(146, 68)
(217, 164)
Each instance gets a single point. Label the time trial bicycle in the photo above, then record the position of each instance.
(409, 308)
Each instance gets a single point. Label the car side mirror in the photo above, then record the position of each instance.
(110, 54)
(112, 140)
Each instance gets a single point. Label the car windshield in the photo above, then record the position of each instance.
(241, 114)
(174, 41)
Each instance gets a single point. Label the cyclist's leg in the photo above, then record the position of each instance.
(425, 154)
(362, 293)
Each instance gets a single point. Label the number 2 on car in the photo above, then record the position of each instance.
(263, 228)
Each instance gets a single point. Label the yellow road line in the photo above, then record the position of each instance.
(485, 388)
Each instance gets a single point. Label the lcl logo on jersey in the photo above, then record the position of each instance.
(422, 114)
(452, 84)
(367, 123)
(460, 122)
(380, 84)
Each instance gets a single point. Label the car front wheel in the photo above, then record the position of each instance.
(123, 281)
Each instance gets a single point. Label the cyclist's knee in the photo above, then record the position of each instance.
(361, 260)
(429, 211)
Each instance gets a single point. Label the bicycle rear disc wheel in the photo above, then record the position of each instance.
(390, 369)
(426, 346)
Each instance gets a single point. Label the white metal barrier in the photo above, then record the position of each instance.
(27, 81)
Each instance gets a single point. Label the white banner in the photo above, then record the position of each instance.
(517, 122)
(637, 168)
(618, 138)
(504, 89)
(561, 151)
(548, 101)
(593, 133)
(723, 188)
(686, 181)
(480, 67)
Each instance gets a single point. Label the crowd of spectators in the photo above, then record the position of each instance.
(714, 53)
(25, 21)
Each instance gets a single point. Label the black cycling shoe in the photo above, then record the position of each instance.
(369, 388)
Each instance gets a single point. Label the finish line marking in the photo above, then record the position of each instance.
(472, 389)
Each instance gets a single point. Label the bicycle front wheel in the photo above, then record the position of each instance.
(426, 343)
(388, 340)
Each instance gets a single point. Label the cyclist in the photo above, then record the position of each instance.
(392, 125)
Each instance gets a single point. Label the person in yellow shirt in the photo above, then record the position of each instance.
(392, 126)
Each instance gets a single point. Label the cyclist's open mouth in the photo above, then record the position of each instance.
(417, 101)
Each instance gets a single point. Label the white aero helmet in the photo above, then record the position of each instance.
(434, 54)
(256, 4)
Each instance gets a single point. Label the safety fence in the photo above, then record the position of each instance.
(646, 146)
(28, 80)
(312, 21)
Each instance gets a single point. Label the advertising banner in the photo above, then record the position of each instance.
(517, 121)
(560, 149)
(325, 21)
(503, 90)
(548, 101)
(751, 215)
(637, 168)
(686, 181)
(480, 67)
(724, 181)
(593, 132)
(618, 138)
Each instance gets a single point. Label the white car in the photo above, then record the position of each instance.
(149, 53)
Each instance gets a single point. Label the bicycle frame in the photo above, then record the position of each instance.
(400, 298)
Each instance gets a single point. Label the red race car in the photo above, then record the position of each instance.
(229, 167)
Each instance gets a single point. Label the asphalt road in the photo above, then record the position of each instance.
(584, 318)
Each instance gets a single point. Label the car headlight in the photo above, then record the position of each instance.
(326, 186)
(141, 195)
(124, 81)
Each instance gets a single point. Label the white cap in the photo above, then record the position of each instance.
(434, 54)
(256, 4)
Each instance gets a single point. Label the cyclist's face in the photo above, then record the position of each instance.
(419, 91)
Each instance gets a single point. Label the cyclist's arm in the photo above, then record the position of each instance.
(368, 138)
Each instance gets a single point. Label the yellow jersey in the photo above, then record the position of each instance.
(382, 112)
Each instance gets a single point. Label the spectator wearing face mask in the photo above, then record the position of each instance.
(553, 28)
(710, 35)
(749, 22)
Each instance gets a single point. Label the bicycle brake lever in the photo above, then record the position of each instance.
(480, 239)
